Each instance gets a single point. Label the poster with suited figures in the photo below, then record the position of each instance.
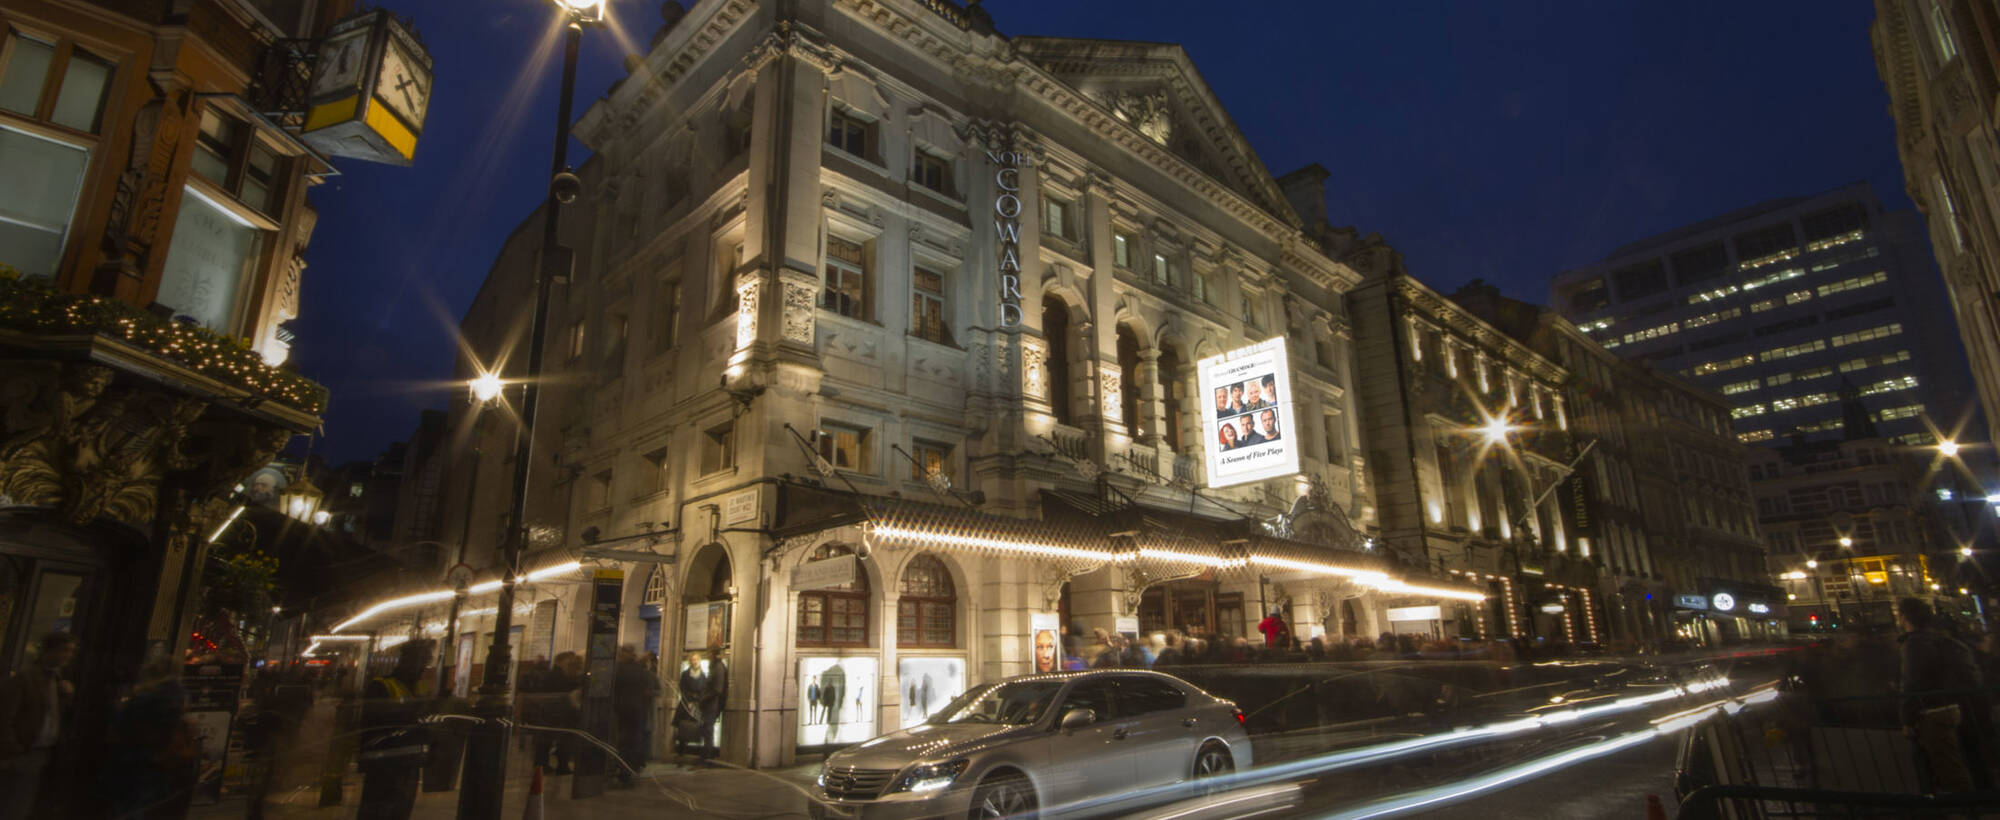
(836, 701)
(1246, 401)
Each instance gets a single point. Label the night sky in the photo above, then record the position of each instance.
(1503, 141)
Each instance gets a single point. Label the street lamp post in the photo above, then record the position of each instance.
(486, 756)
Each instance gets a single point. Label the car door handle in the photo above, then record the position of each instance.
(1189, 722)
(1119, 733)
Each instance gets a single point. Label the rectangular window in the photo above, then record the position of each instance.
(1204, 287)
(718, 448)
(228, 153)
(1948, 211)
(575, 342)
(1253, 317)
(1121, 251)
(932, 172)
(929, 457)
(77, 100)
(1855, 283)
(1789, 351)
(212, 252)
(1947, 47)
(667, 325)
(1740, 387)
(846, 286)
(1160, 269)
(1868, 335)
(1331, 428)
(1056, 216)
(927, 306)
(597, 492)
(43, 179)
(653, 471)
(846, 448)
(848, 133)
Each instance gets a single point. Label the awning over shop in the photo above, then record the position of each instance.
(402, 610)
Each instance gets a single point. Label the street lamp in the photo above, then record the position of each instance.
(486, 387)
(1965, 551)
(1948, 448)
(1496, 429)
(1812, 563)
(486, 754)
(1846, 542)
(301, 500)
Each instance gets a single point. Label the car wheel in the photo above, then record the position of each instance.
(1009, 796)
(1212, 762)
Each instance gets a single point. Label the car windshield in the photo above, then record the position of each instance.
(1010, 704)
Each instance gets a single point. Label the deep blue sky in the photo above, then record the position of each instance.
(1498, 140)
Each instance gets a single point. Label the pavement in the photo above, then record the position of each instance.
(662, 789)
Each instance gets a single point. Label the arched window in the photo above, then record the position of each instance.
(926, 604)
(835, 616)
(656, 589)
(1055, 329)
(1128, 389)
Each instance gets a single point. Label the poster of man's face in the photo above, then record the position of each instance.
(1243, 430)
(264, 485)
(1046, 657)
(1267, 425)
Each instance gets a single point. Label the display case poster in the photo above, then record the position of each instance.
(707, 625)
(1128, 625)
(1046, 630)
(836, 701)
(927, 685)
(1246, 401)
(213, 692)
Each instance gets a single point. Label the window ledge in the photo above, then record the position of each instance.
(857, 159)
(840, 318)
(726, 471)
(655, 495)
(942, 197)
(945, 345)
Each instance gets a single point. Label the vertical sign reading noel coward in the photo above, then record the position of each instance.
(1007, 224)
(1246, 399)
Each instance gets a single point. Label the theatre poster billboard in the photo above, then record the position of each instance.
(1246, 401)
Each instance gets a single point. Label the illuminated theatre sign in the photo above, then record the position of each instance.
(1007, 225)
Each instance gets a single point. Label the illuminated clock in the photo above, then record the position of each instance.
(342, 60)
(404, 86)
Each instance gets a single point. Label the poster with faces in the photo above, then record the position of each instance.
(837, 701)
(928, 684)
(1247, 414)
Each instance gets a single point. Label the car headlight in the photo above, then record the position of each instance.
(930, 777)
(821, 780)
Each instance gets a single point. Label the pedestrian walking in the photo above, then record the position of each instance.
(1941, 711)
(393, 741)
(1276, 633)
(713, 700)
(687, 708)
(33, 703)
(634, 691)
(153, 756)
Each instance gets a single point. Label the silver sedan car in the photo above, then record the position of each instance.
(1066, 744)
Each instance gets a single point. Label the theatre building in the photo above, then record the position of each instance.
(881, 357)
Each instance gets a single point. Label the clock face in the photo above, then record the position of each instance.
(404, 86)
(1723, 601)
(340, 62)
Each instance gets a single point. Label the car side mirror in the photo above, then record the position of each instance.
(1078, 718)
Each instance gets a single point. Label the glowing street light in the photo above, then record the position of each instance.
(583, 11)
(1846, 541)
(1812, 563)
(1948, 448)
(486, 387)
(1965, 551)
(1993, 498)
(1496, 430)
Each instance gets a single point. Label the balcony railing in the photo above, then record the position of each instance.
(1070, 442)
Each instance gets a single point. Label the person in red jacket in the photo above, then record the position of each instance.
(1276, 634)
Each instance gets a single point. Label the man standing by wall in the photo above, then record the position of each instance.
(634, 694)
(32, 704)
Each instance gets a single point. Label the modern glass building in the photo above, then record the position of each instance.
(1778, 305)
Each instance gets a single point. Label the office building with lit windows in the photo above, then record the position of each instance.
(1779, 305)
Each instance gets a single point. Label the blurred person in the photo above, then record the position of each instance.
(634, 695)
(687, 709)
(1276, 632)
(33, 703)
(1154, 646)
(560, 710)
(1939, 710)
(713, 700)
(393, 739)
(1171, 652)
(1132, 653)
(1102, 652)
(153, 757)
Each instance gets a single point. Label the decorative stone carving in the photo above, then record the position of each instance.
(1114, 391)
(1147, 112)
(746, 311)
(800, 312)
(1034, 370)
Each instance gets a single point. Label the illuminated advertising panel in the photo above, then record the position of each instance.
(1246, 413)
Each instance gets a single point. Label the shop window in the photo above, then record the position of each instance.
(718, 448)
(212, 253)
(846, 448)
(834, 616)
(846, 284)
(926, 605)
(44, 177)
(927, 306)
